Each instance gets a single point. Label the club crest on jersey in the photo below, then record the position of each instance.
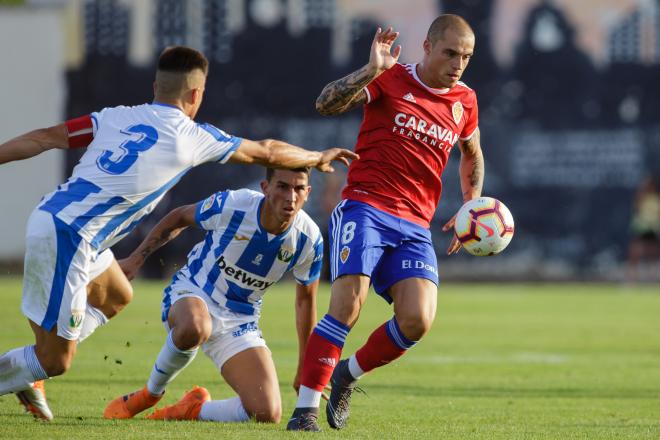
(345, 252)
(76, 319)
(457, 111)
(257, 259)
(409, 97)
(207, 204)
(284, 255)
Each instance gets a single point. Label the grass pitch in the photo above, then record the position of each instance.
(501, 362)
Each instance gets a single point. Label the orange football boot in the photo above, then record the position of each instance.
(129, 405)
(187, 408)
(34, 401)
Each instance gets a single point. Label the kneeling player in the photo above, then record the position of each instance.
(214, 301)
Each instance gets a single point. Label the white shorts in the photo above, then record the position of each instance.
(231, 332)
(58, 266)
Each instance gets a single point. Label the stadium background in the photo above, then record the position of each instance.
(568, 93)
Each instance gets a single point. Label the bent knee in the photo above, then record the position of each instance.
(415, 328)
(56, 366)
(124, 297)
(192, 334)
(268, 414)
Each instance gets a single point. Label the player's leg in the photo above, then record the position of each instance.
(240, 353)
(54, 355)
(406, 276)
(54, 297)
(190, 326)
(358, 235)
(251, 373)
(107, 294)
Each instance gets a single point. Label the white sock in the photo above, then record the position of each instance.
(308, 398)
(18, 369)
(170, 362)
(228, 410)
(354, 368)
(94, 318)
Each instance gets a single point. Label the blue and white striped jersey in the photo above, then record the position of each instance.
(238, 260)
(137, 154)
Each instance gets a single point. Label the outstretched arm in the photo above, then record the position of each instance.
(33, 143)
(165, 231)
(279, 154)
(348, 92)
(471, 170)
(305, 321)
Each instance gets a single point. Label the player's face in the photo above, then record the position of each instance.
(446, 59)
(286, 193)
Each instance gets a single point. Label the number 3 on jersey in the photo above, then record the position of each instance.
(130, 149)
(348, 233)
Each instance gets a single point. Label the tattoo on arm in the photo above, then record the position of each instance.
(477, 175)
(471, 150)
(156, 242)
(345, 93)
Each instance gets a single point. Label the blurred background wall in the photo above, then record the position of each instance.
(568, 92)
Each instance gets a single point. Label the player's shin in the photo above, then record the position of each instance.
(170, 362)
(18, 369)
(384, 345)
(321, 357)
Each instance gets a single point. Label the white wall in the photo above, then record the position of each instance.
(32, 93)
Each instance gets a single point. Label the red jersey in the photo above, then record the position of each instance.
(404, 142)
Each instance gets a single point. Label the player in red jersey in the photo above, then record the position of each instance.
(413, 115)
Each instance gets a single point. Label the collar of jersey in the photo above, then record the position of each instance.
(278, 236)
(162, 104)
(413, 71)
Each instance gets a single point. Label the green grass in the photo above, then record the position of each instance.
(502, 362)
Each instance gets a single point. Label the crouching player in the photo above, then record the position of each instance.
(214, 301)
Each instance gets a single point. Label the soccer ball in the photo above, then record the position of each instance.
(484, 226)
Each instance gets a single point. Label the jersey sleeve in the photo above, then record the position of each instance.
(214, 145)
(375, 88)
(472, 119)
(208, 211)
(80, 131)
(309, 269)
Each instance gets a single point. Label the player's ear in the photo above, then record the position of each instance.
(195, 95)
(264, 186)
(427, 46)
(155, 88)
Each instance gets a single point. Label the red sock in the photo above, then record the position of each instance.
(321, 357)
(384, 345)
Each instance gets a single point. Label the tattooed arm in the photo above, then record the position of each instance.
(348, 92)
(471, 171)
(166, 230)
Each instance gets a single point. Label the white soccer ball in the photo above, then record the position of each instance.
(484, 226)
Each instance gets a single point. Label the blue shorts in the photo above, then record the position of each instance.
(365, 240)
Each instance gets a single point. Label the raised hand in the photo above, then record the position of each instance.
(382, 57)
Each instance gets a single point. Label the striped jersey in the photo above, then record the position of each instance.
(135, 155)
(238, 260)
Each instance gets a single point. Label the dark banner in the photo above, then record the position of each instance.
(568, 93)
